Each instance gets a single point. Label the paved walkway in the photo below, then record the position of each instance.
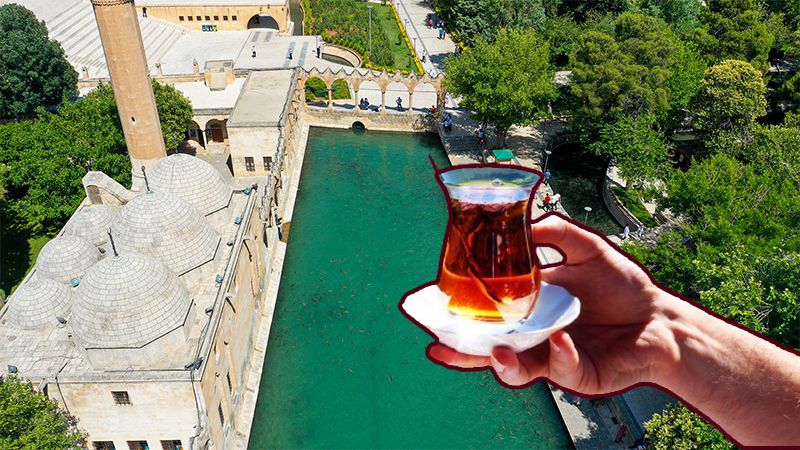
(412, 14)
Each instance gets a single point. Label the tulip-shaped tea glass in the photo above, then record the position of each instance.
(488, 269)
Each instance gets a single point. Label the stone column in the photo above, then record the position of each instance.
(355, 101)
(330, 98)
(410, 102)
(121, 38)
(383, 101)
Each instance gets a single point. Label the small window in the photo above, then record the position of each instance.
(138, 445)
(104, 445)
(249, 164)
(221, 415)
(225, 18)
(181, 18)
(228, 377)
(233, 18)
(121, 397)
(174, 444)
(190, 18)
(267, 163)
(216, 18)
(208, 18)
(199, 18)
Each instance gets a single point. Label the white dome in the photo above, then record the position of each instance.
(65, 258)
(38, 302)
(193, 180)
(127, 301)
(92, 223)
(161, 225)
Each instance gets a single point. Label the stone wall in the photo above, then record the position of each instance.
(370, 120)
(615, 207)
(237, 16)
(342, 52)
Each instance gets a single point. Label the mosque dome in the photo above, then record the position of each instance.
(92, 223)
(38, 302)
(193, 180)
(161, 225)
(66, 257)
(127, 300)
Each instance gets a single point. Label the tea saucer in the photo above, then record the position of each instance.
(555, 309)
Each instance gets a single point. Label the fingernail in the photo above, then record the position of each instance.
(553, 346)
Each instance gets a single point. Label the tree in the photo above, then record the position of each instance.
(33, 69)
(730, 98)
(29, 420)
(645, 39)
(175, 113)
(508, 82)
(636, 145)
(607, 83)
(47, 157)
(678, 428)
(681, 14)
(686, 66)
(471, 19)
(733, 29)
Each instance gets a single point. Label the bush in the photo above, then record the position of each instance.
(630, 199)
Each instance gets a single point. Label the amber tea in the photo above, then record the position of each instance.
(488, 269)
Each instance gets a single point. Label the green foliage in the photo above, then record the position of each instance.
(29, 420)
(630, 199)
(636, 145)
(562, 35)
(317, 90)
(677, 428)
(734, 29)
(508, 82)
(686, 66)
(607, 82)
(730, 98)
(46, 158)
(471, 20)
(582, 10)
(33, 69)
(681, 14)
(347, 23)
(175, 113)
(645, 39)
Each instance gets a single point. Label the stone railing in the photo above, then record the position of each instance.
(615, 206)
(349, 55)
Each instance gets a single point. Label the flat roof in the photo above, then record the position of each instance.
(263, 98)
(226, 3)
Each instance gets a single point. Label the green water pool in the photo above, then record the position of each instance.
(344, 368)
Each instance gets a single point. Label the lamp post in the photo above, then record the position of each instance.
(588, 209)
(546, 159)
(369, 7)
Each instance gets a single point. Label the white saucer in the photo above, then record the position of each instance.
(555, 309)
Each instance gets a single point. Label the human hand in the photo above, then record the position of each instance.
(620, 338)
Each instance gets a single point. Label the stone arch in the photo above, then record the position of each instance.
(394, 90)
(370, 90)
(316, 91)
(195, 133)
(424, 96)
(342, 93)
(216, 131)
(263, 21)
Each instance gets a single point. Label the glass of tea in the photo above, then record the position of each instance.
(488, 268)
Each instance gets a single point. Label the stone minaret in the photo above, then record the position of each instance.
(127, 65)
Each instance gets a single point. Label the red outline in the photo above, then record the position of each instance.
(537, 263)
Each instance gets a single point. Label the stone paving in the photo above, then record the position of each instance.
(412, 13)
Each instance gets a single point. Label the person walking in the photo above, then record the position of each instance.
(547, 200)
(424, 55)
(640, 232)
(441, 32)
(626, 233)
(399, 102)
(547, 177)
(556, 200)
(253, 51)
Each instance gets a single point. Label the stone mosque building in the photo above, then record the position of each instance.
(147, 316)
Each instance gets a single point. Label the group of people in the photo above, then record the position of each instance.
(363, 103)
(626, 232)
(480, 135)
(438, 23)
(551, 202)
(447, 122)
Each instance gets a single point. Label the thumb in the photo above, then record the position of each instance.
(563, 361)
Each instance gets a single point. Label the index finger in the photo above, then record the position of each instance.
(577, 244)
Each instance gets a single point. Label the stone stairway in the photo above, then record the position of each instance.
(75, 28)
